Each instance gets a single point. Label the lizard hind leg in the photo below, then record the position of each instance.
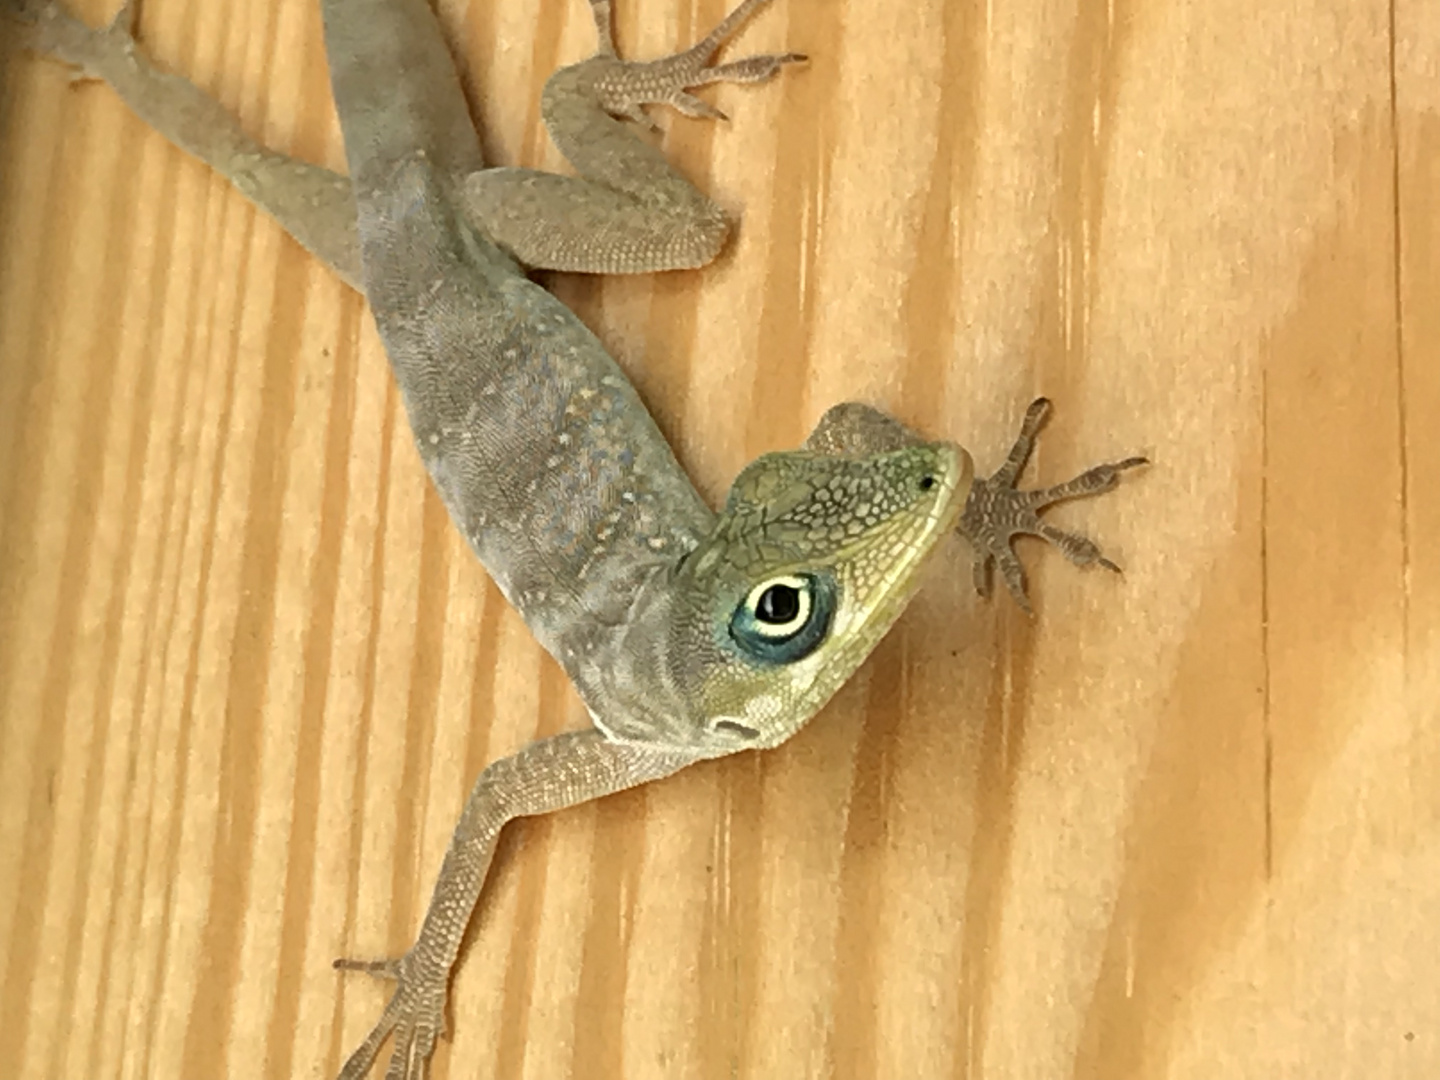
(314, 205)
(996, 511)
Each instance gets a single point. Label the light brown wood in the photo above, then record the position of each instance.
(1184, 824)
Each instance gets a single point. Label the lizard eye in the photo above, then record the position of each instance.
(782, 607)
(784, 618)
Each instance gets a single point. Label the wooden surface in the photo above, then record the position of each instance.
(1184, 824)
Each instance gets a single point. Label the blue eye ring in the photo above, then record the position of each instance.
(784, 618)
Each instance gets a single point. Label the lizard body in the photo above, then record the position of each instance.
(689, 635)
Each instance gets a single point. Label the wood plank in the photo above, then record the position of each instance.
(1182, 824)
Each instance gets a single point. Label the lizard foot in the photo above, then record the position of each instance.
(415, 1015)
(47, 28)
(996, 512)
(624, 87)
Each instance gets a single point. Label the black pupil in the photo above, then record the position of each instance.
(778, 604)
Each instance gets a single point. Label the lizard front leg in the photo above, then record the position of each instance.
(996, 511)
(550, 775)
(629, 211)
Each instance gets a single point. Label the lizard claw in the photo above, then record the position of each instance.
(996, 512)
(751, 69)
(623, 86)
(690, 105)
(381, 969)
(415, 1015)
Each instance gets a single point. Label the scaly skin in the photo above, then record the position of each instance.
(689, 635)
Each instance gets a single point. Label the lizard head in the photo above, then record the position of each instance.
(811, 561)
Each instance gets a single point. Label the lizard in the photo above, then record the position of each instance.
(689, 635)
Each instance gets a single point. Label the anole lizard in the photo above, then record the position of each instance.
(689, 635)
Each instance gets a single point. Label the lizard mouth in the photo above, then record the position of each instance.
(725, 725)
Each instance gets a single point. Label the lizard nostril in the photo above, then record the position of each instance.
(926, 483)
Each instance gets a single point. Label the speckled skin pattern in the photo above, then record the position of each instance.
(554, 471)
(547, 460)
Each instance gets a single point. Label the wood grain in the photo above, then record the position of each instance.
(1184, 824)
